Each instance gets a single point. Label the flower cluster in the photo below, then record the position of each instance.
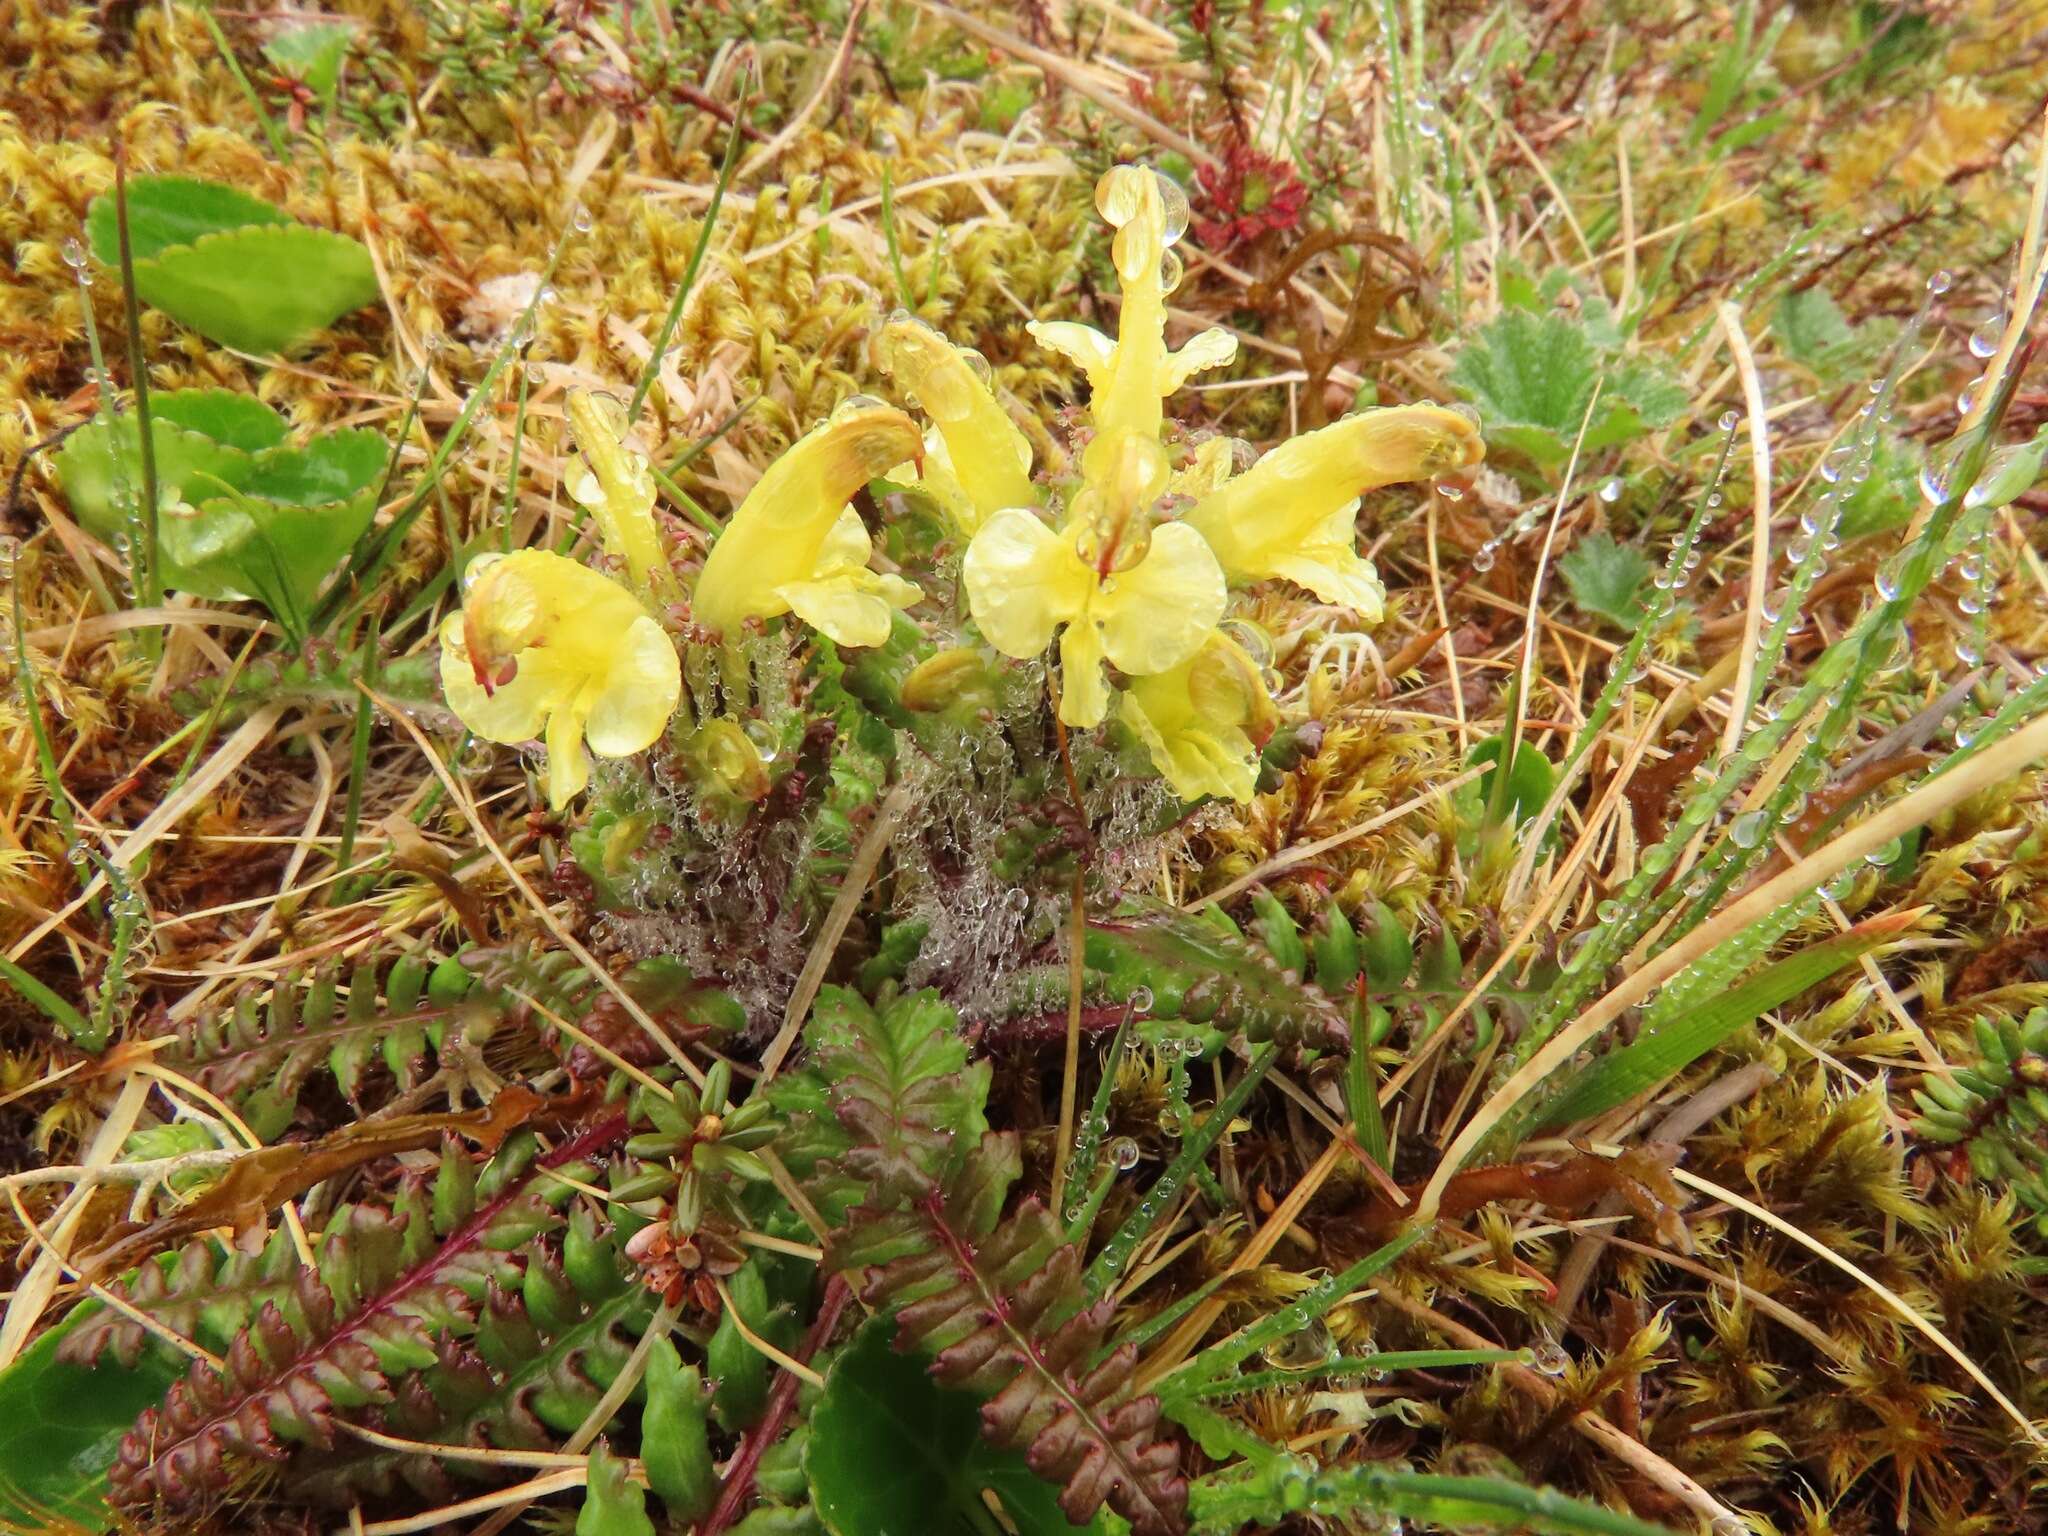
(1127, 557)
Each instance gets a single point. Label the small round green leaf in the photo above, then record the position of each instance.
(892, 1453)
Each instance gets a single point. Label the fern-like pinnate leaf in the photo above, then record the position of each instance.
(902, 1087)
(205, 1293)
(392, 1289)
(262, 1050)
(993, 1300)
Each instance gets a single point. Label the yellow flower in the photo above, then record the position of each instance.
(544, 645)
(1024, 581)
(1291, 514)
(614, 483)
(976, 462)
(1204, 721)
(1140, 597)
(795, 546)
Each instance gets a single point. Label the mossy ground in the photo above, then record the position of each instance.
(1652, 161)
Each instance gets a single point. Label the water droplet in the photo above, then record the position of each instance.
(1609, 911)
(1967, 396)
(473, 572)
(1730, 420)
(1550, 1358)
(1450, 490)
(1940, 283)
(1880, 856)
(1747, 830)
(73, 252)
(580, 219)
(1985, 339)
(1482, 557)
(1610, 491)
(1141, 1000)
(1171, 271)
(1124, 1153)
(1301, 1350)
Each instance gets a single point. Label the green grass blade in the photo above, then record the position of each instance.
(1657, 1054)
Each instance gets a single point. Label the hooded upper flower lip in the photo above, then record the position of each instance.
(795, 545)
(614, 482)
(545, 645)
(1291, 514)
(976, 461)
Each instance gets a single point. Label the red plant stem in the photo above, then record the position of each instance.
(739, 1477)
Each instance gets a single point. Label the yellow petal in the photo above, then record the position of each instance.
(839, 608)
(1204, 350)
(513, 711)
(846, 546)
(987, 454)
(1084, 691)
(1291, 498)
(638, 694)
(1127, 399)
(613, 482)
(568, 765)
(1193, 721)
(1082, 345)
(779, 533)
(578, 654)
(1156, 614)
(1023, 582)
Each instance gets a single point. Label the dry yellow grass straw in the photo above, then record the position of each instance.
(1586, 1422)
(604, 978)
(233, 752)
(448, 1515)
(1760, 538)
(761, 1346)
(25, 1307)
(1994, 765)
(1181, 1342)
(767, 154)
(1074, 76)
(852, 887)
(1526, 673)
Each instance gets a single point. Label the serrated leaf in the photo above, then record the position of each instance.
(100, 468)
(1532, 377)
(229, 418)
(261, 288)
(1812, 330)
(232, 267)
(169, 211)
(890, 1452)
(1606, 578)
(1208, 975)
